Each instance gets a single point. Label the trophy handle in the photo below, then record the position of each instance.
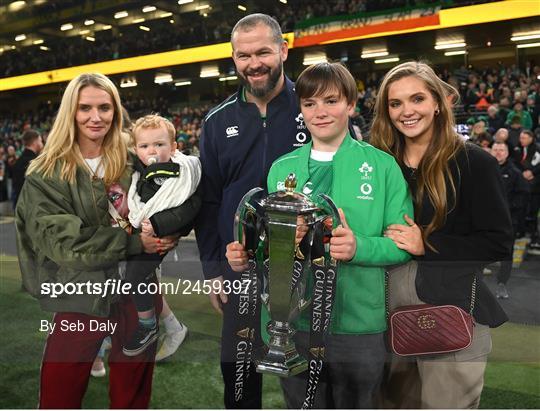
(331, 208)
(243, 207)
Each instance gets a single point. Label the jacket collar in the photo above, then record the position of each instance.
(302, 171)
(305, 151)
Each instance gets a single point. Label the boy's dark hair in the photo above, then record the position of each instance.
(29, 136)
(322, 78)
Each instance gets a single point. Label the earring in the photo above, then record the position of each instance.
(437, 112)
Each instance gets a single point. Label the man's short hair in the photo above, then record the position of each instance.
(322, 78)
(529, 133)
(504, 143)
(153, 121)
(250, 21)
(29, 136)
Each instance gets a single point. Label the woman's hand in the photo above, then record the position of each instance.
(152, 245)
(407, 237)
(343, 241)
(146, 227)
(237, 257)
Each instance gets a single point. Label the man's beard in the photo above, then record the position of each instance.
(273, 79)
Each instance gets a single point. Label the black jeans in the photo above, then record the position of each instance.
(239, 392)
(351, 375)
(141, 269)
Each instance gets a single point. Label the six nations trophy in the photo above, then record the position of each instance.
(290, 270)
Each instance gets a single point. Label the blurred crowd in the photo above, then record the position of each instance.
(497, 105)
(188, 30)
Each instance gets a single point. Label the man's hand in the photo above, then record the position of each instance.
(218, 296)
(528, 175)
(343, 241)
(237, 257)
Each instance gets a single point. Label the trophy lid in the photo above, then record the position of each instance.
(288, 201)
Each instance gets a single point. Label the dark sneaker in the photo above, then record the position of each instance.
(501, 292)
(141, 339)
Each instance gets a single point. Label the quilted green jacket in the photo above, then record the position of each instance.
(64, 235)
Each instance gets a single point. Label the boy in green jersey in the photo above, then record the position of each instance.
(368, 186)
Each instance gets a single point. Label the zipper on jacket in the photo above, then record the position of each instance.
(265, 146)
(92, 179)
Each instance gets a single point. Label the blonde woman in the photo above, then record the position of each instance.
(69, 248)
(461, 224)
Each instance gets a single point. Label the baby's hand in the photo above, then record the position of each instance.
(147, 228)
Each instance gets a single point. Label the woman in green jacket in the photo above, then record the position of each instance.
(69, 248)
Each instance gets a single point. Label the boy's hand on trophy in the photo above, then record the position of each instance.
(237, 257)
(343, 241)
(301, 229)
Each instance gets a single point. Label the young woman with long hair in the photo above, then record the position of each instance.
(69, 248)
(461, 223)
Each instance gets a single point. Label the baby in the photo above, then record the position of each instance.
(162, 201)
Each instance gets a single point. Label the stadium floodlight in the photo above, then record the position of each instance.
(106, 27)
(203, 7)
(374, 53)
(453, 45)
(283, 1)
(528, 45)
(121, 14)
(240, 7)
(89, 38)
(455, 53)
(228, 78)
(89, 22)
(20, 37)
(161, 78)
(144, 28)
(210, 70)
(531, 35)
(314, 58)
(388, 60)
(185, 1)
(148, 9)
(140, 20)
(44, 48)
(167, 14)
(84, 32)
(39, 41)
(16, 5)
(128, 82)
(66, 27)
(182, 83)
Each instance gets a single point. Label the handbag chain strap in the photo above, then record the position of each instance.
(473, 296)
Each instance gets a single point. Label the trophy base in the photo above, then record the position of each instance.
(275, 363)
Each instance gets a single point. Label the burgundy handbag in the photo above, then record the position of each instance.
(427, 329)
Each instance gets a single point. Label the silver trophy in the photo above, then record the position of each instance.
(273, 222)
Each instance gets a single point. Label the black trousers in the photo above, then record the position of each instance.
(141, 269)
(240, 392)
(351, 375)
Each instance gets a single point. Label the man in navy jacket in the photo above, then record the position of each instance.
(240, 139)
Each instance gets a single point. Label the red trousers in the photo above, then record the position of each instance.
(69, 353)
